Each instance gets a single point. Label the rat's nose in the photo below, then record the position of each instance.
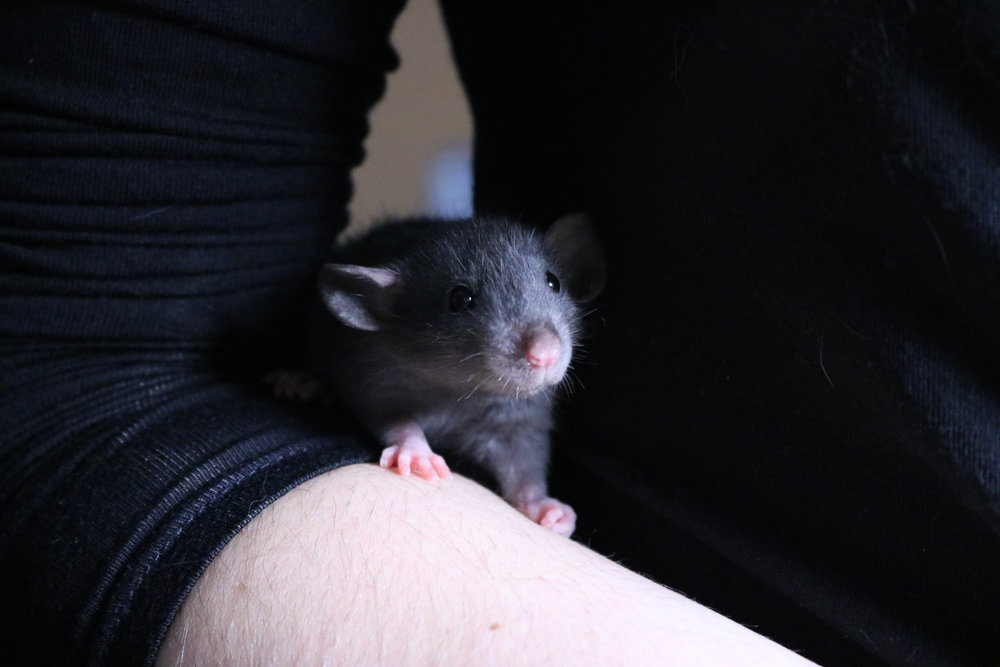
(542, 348)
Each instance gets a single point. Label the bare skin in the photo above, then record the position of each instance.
(359, 566)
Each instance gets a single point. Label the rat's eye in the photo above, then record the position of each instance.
(552, 281)
(461, 298)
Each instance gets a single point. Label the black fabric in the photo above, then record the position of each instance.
(790, 408)
(791, 403)
(171, 173)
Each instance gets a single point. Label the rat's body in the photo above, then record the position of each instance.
(454, 335)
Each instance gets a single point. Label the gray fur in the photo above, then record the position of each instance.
(393, 349)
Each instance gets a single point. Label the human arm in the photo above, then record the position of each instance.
(360, 566)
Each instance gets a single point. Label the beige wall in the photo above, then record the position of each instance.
(422, 114)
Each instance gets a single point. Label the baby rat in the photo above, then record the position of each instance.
(451, 336)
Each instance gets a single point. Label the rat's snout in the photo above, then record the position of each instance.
(541, 348)
(536, 358)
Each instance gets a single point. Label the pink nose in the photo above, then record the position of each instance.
(541, 348)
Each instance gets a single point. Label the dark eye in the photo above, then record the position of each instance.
(461, 298)
(552, 281)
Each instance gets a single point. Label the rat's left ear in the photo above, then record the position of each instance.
(577, 250)
(358, 296)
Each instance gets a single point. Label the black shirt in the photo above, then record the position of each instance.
(790, 409)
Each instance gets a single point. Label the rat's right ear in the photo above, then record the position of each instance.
(358, 296)
(573, 242)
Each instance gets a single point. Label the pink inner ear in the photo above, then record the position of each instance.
(379, 276)
(383, 277)
(357, 295)
(542, 348)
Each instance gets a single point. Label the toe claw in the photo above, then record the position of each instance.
(388, 458)
(403, 462)
(440, 466)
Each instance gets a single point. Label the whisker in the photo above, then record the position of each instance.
(474, 389)
(570, 382)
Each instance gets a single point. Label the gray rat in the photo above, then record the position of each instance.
(454, 335)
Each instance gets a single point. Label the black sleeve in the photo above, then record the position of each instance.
(171, 173)
(790, 406)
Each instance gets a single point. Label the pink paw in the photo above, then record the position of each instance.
(420, 460)
(552, 514)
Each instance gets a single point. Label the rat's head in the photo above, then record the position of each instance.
(478, 306)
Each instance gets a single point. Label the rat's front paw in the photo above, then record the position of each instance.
(407, 458)
(552, 514)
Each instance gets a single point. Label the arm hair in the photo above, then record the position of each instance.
(360, 566)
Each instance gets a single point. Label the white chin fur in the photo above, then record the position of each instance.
(521, 380)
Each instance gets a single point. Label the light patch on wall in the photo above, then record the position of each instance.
(449, 182)
(415, 163)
